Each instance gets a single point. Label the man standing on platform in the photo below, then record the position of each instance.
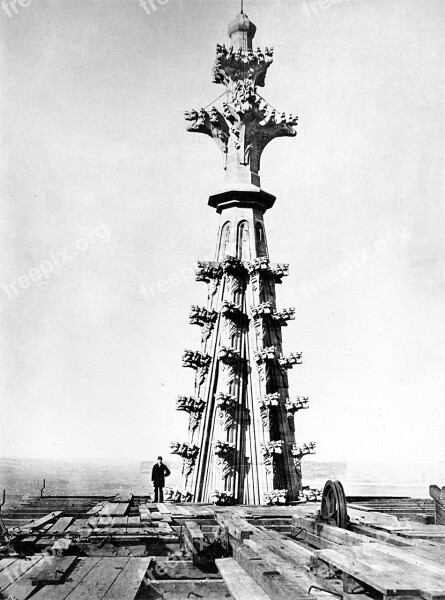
(158, 475)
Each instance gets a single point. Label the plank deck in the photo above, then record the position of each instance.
(99, 580)
(238, 582)
(54, 572)
(386, 574)
(120, 509)
(16, 570)
(61, 592)
(61, 525)
(128, 582)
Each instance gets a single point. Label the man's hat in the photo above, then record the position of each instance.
(159, 457)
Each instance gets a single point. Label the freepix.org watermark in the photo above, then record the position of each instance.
(184, 276)
(314, 7)
(357, 262)
(55, 260)
(150, 6)
(11, 7)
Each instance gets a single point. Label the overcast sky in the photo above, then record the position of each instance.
(104, 211)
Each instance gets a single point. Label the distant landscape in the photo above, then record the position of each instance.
(109, 477)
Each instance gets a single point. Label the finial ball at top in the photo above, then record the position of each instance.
(242, 24)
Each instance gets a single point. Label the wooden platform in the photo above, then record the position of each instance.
(106, 549)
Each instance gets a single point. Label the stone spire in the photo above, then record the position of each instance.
(245, 124)
(241, 442)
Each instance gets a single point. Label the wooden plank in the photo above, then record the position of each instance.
(128, 582)
(330, 532)
(99, 580)
(163, 508)
(23, 587)
(96, 509)
(16, 570)
(6, 562)
(54, 572)
(18, 591)
(386, 574)
(119, 522)
(37, 523)
(120, 509)
(144, 512)
(238, 582)
(62, 591)
(61, 525)
(134, 522)
(238, 528)
(104, 521)
(76, 526)
(408, 559)
(271, 581)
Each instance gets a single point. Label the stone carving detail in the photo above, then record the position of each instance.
(230, 359)
(299, 451)
(281, 317)
(233, 317)
(267, 403)
(222, 498)
(267, 310)
(260, 268)
(262, 357)
(292, 406)
(198, 361)
(193, 406)
(188, 454)
(287, 362)
(225, 451)
(199, 315)
(237, 63)
(279, 271)
(269, 450)
(177, 495)
(262, 310)
(247, 123)
(276, 497)
(235, 272)
(210, 273)
(227, 405)
(230, 310)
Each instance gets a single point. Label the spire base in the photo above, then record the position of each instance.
(247, 197)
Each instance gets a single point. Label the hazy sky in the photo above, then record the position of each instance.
(104, 198)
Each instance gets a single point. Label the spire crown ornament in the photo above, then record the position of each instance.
(245, 123)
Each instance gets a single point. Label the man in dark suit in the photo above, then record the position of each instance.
(158, 475)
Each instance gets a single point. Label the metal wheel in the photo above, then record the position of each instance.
(333, 504)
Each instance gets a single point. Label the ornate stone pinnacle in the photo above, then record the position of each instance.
(246, 123)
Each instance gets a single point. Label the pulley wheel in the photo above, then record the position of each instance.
(333, 504)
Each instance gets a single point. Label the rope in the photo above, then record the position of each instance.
(213, 101)
(268, 103)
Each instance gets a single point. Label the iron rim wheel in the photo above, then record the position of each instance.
(333, 504)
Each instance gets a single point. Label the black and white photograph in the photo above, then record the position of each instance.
(222, 369)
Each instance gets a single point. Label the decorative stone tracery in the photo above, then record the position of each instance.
(292, 406)
(299, 451)
(227, 405)
(193, 406)
(199, 315)
(267, 404)
(269, 450)
(225, 452)
(188, 454)
(199, 362)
